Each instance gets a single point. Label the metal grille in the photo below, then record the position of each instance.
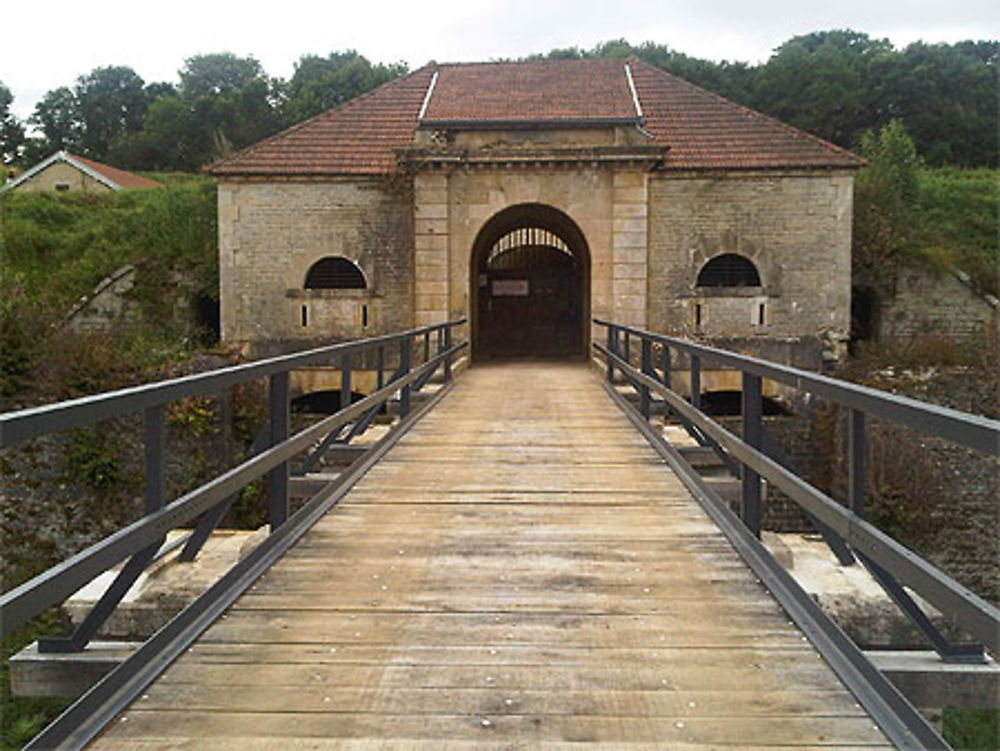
(512, 250)
(334, 272)
(729, 270)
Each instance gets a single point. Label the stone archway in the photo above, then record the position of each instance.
(530, 285)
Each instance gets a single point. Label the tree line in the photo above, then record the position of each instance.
(837, 84)
(221, 102)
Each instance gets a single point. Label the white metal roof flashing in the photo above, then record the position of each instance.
(427, 96)
(635, 95)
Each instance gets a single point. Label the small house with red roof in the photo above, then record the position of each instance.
(68, 172)
(530, 197)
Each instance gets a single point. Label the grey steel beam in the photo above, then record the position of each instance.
(973, 431)
(277, 477)
(856, 462)
(25, 424)
(752, 410)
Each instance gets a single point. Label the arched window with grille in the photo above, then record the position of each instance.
(335, 272)
(729, 270)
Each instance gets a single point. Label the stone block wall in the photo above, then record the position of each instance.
(795, 228)
(60, 173)
(630, 262)
(935, 302)
(585, 195)
(647, 235)
(270, 233)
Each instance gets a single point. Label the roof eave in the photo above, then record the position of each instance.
(296, 173)
(788, 167)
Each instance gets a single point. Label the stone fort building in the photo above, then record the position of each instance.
(530, 197)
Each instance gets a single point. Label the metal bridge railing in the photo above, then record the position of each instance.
(141, 541)
(891, 564)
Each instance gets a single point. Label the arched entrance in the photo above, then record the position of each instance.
(530, 285)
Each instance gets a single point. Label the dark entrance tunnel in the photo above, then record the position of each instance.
(322, 402)
(530, 285)
(728, 404)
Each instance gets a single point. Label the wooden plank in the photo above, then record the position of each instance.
(499, 627)
(750, 678)
(496, 728)
(488, 701)
(208, 652)
(521, 571)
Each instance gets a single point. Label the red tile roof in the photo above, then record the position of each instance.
(707, 131)
(358, 137)
(702, 130)
(120, 177)
(560, 91)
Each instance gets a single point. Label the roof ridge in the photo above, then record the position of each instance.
(343, 106)
(791, 129)
(540, 61)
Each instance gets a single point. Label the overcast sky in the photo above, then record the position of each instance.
(49, 44)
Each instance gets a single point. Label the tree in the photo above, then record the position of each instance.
(731, 80)
(57, 115)
(170, 139)
(885, 198)
(159, 89)
(232, 103)
(112, 104)
(320, 83)
(947, 96)
(819, 82)
(11, 130)
(218, 73)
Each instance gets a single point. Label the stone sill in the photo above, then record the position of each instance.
(332, 294)
(730, 292)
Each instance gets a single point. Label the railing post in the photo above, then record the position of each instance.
(627, 347)
(277, 478)
(696, 381)
(380, 367)
(856, 450)
(447, 360)
(405, 357)
(665, 363)
(752, 409)
(612, 348)
(154, 442)
(647, 369)
(155, 430)
(427, 345)
(345, 381)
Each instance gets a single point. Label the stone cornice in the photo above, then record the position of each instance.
(416, 158)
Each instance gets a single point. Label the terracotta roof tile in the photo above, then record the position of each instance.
(358, 137)
(702, 130)
(120, 177)
(707, 131)
(573, 91)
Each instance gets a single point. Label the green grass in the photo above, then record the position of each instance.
(21, 719)
(972, 729)
(958, 215)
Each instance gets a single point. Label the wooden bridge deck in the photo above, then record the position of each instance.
(521, 571)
